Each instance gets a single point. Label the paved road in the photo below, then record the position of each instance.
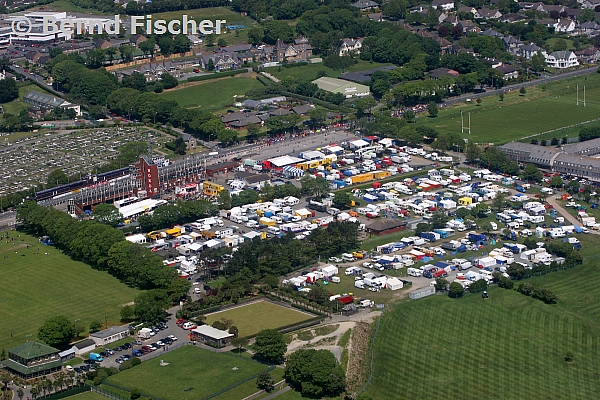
(7, 220)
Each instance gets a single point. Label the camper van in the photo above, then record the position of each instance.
(273, 230)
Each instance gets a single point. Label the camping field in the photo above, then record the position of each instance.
(212, 95)
(192, 373)
(36, 287)
(510, 347)
(254, 317)
(543, 108)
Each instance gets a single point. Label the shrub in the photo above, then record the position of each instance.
(135, 361)
(125, 365)
(526, 289)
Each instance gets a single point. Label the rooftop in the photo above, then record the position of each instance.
(29, 350)
(110, 331)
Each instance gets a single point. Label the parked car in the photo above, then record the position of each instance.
(137, 353)
(173, 337)
(137, 342)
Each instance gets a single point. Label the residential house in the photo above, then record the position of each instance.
(286, 52)
(486, 13)
(590, 4)
(445, 5)
(220, 61)
(564, 25)
(465, 9)
(528, 50)
(154, 71)
(441, 71)
(572, 13)
(589, 27)
(512, 18)
(32, 359)
(548, 8)
(445, 44)
(491, 32)
(351, 46)
(468, 27)
(135, 40)
(376, 17)
(303, 110)
(562, 59)
(591, 55)
(452, 20)
(106, 336)
(102, 44)
(508, 72)
(365, 5)
(7, 75)
(511, 44)
(33, 56)
(238, 48)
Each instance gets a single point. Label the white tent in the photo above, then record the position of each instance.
(394, 284)
(387, 142)
(357, 144)
(302, 213)
(330, 270)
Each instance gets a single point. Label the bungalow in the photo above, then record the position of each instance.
(485, 13)
(441, 71)
(588, 27)
(351, 46)
(446, 5)
(512, 18)
(528, 50)
(212, 336)
(102, 338)
(220, 61)
(466, 10)
(452, 20)
(468, 27)
(376, 17)
(561, 59)
(508, 72)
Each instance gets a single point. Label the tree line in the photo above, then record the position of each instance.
(180, 213)
(104, 248)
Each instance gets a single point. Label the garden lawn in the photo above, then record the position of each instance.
(16, 106)
(214, 94)
(510, 347)
(193, 373)
(309, 71)
(36, 287)
(253, 318)
(541, 109)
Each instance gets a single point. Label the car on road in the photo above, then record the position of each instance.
(335, 259)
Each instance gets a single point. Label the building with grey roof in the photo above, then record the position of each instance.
(102, 338)
(47, 102)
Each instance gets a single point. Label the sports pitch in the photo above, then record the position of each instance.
(542, 108)
(510, 347)
(36, 287)
(254, 317)
(192, 373)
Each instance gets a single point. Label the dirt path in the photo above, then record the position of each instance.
(342, 328)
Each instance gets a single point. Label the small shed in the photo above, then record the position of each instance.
(212, 336)
(102, 338)
(84, 347)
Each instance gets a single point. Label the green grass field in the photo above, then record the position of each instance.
(212, 13)
(212, 95)
(510, 347)
(16, 106)
(542, 108)
(310, 71)
(193, 373)
(36, 287)
(253, 318)
(87, 396)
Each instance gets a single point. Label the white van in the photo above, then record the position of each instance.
(347, 257)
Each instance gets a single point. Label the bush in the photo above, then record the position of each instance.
(525, 288)
(135, 393)
(478, 286)
(545, 295)
(135, 361)
(505, 283)
(456, 290)
(125, 365)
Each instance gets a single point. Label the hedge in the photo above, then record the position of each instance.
(216, 75)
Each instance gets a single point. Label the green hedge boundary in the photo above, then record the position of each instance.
(216, 75)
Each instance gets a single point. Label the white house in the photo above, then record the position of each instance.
(351, 46)
(562, 59)
(564, 25)
(446, 5)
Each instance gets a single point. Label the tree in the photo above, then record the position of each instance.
(478, 286)
(409, 116)
(501, 96)
(441, 284)
(221, 42)
(107, 214)
(487, 226)
(209, 40)
(57, 178)
(20, 393)
(456, 290)
(57, 331)
(147, 46)
(239, 343)
(316, 373)
(169, 81)
(538, 62)
(126, 52)
(253, 130)
(478, 101)
(127, 313)
(265, 381)
(224, 199)
(573, 186)
(8, 90)
(110, 53)
(270, 345)
(433, 109)
(150, 305)
(473, 151)
(95, 326)
(499, 202)
(569, 355)
(532, 173)
(523, 91)
(463, 212)
(341, 200)
(556, 182)
(314, 186)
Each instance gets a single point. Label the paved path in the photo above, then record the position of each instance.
(278, 393)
